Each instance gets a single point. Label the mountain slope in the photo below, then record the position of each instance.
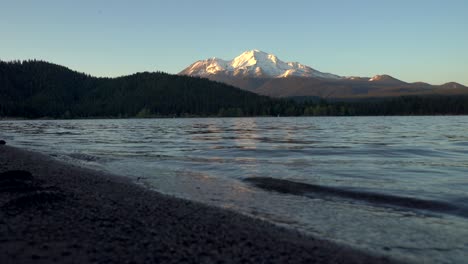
(386, 79)
(265, 74)
(345, 89)
(253, 63)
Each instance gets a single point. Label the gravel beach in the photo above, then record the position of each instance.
(54, 212)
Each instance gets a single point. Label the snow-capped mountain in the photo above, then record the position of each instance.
(266, 74)
(254, 63)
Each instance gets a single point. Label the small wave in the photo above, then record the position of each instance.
(319, 191)
(60, 133)
(84, 157)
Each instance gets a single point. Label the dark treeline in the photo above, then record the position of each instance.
(404, 105)
(37, 89)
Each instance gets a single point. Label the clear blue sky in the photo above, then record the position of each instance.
(413, 40)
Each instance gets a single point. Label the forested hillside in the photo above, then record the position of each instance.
(37, 89)
(40, 89)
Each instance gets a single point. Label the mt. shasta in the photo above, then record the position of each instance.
(254, 63)
(266, 74)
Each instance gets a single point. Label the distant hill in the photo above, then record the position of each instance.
(38, 89)
(266, 74)
(41, 89)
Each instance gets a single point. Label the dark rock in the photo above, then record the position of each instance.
(21, 181)
(17, 181)
(2, 142)
(17, 187)
(41, 199)
(19, 175)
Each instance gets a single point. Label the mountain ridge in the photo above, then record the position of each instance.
(253, 63)
(266, 74)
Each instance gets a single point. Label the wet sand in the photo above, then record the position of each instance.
(53, 212)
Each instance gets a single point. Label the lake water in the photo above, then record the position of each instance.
(392, 185)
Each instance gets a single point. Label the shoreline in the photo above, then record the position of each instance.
(78, 215)
(215, 116)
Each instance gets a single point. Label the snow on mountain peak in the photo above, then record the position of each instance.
(384, 78)
(254, 63)
(377, 78)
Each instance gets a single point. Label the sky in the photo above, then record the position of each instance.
(412, 40)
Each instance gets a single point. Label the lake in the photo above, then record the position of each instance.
(392, 185)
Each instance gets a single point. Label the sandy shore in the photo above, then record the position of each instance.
(66, 214)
